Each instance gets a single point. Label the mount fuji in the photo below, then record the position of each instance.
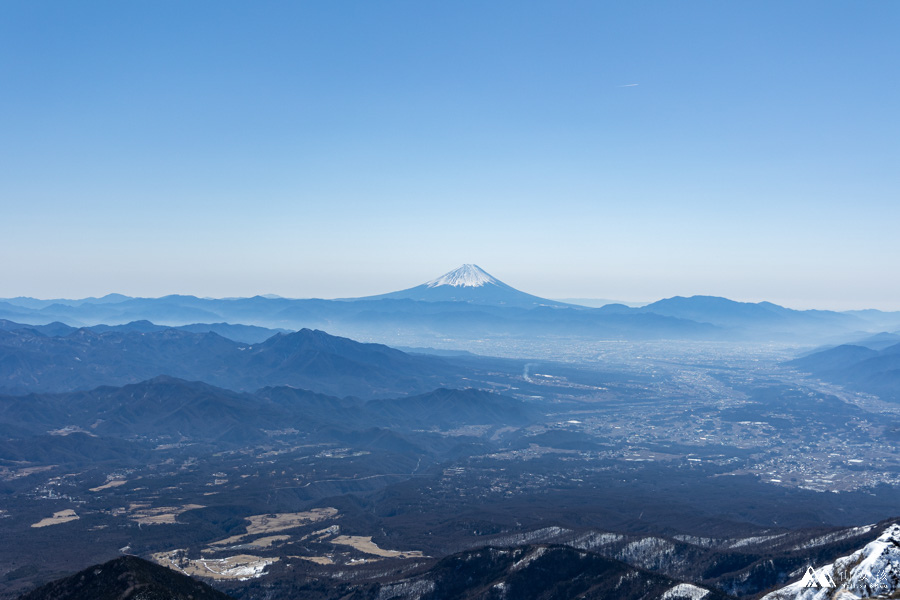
(472, 284)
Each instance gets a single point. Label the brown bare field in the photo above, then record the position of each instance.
(111, 484)
(282, 521)
(275, 522)
(240, 567)
(319, 560)
(235, 539)
(8, 474)
(268, 542)
(63, 516)
(365, 544)
(159, 515)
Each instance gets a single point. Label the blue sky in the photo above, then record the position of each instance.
(627, 150)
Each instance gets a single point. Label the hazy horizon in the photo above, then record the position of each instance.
(624, 151)
(564, 298)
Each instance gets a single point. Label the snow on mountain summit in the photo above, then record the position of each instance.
(470, 284)
(465, 276)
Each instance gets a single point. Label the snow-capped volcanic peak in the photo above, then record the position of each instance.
(873, 572)
(465, 276)
(472, 285)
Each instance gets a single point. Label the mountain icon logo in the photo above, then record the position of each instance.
(816, 580)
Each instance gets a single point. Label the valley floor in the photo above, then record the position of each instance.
(693, 461)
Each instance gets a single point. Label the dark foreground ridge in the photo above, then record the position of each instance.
(529, 572)
(126, 578)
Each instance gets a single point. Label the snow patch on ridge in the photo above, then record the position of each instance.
(833, 537)
(685, 590)
(465, 276)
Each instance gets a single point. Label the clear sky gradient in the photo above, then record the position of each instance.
(630, 150)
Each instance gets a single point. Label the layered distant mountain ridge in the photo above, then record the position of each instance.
(464, 304)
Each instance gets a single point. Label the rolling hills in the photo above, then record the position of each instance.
(83, 359)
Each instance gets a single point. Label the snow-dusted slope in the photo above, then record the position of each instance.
(472, 284)
(465, 276)
(873, 572)
(685, 591)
